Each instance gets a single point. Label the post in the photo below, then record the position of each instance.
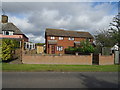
(29, 46)
(76, 53)
(116, 58)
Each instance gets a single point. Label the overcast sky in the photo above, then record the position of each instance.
(32, 18)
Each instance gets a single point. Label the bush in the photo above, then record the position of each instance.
(8, 46)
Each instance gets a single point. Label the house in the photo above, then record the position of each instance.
(9, 30)
(57, 40)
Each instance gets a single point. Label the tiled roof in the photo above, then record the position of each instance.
(61, 32)
(52, 41)
(10, 27)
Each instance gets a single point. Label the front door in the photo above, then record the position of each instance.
(53, 49)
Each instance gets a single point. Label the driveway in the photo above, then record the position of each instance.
(60, 80)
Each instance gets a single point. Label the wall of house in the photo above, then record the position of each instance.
(106, 60)
(11, 36)
(65, 43)
(25, 38)
(77, 60)
(14, 36)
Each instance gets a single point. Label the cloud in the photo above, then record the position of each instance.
(23, 23)
(60, 0)
(36, 39)
(34, 18)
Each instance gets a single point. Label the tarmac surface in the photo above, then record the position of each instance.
(60, 80)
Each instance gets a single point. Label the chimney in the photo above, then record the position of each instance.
(4, 19)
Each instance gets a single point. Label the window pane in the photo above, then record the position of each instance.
(70, 38)
(7, 33)
(52, 37)
(59, 48)
(60, 38)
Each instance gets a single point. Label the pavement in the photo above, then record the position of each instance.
(60, 80)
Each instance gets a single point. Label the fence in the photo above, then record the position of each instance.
(72, 59)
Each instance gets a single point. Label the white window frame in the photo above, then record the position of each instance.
(59, 48)
(71, 38)
(89, 39)
(52, 37)
(60, 38)
(10, 32)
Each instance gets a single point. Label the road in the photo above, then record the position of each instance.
(60, 80)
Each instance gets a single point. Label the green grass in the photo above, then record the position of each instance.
(59, 68)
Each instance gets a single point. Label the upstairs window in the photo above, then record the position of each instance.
(7, 32)
(70, 38)
(59, 48)
(52, 37)
(60, 38)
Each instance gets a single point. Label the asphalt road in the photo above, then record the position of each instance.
(60, 80)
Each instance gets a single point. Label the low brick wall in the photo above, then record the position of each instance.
(37, 59)
(106, 60)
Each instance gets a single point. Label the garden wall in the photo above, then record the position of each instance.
(17, 54)
(106, 60)
(72, 59)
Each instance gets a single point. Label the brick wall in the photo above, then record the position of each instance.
(17, 54)
(37, 59)
(106, 60)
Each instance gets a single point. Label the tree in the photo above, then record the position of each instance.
(115, 29)
(86, 47)
(104, 39)
(109, 37)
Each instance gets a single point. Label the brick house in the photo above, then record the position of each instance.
(57, 40)
(9, 30)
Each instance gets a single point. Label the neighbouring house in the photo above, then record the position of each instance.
(57, 40)
(9, 30)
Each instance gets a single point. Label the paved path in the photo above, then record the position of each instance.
(60, 80)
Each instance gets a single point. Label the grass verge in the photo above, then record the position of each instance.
(58, 68)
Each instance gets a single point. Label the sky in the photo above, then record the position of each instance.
(32, 18)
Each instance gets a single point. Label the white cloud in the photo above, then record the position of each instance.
(70, 16)
(35, 39)
(22, 24)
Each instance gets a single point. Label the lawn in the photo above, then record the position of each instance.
(59, 68)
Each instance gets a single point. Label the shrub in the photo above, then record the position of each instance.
(8, 46)
(70, 50)
(85, 48)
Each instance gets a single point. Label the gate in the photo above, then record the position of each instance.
(95, 59)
